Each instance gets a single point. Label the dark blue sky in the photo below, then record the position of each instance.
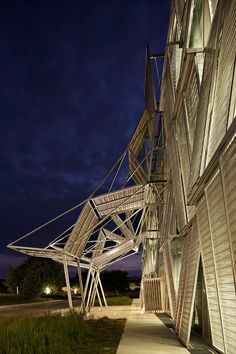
(71, 93)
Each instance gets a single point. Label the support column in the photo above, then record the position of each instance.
(102, 291)
(86, 287)
(81, 288)
(90, 290)
(95, 291)
(87, 282)
(67, 283)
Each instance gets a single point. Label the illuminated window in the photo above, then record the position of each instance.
(175, 31)
(199, 60)
(212, 7)
(200, 24)
(175, 62)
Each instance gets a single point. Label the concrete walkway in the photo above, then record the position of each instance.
(143, 333)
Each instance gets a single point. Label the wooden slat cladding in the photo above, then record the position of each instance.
(56, 255)
(178, 191)
(225, 72)
(223, 260)
(120, 201)
(169, 277)
(107, 257)
(210, 276)
(228, 172)
(138, 137)
(173, 225)
(168, 98)
(165, 226)
(99, 246)
(172, 150)
(201, 159)
(149, 93)
(152, 300)
(182, 282)
(191, 272)
(82, 230)
(191, 100)
(182, 138)
(182, 134)
(173, 59)
(216, 215)
(199, 145)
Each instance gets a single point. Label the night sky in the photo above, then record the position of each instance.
(71, 93)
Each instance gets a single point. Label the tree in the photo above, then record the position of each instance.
(116, 280)
(34, 275)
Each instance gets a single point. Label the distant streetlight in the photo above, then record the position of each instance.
(47, 290)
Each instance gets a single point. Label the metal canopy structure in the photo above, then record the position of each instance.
(112, 226)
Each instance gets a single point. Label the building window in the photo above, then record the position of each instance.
(200, 24)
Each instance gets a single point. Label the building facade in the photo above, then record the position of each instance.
(198, 224)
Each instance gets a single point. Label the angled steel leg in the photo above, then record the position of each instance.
(67, 283)
(90, 290)
(96, 291)
(102, 291)
(82, 308)
(86, 286)
(93, 294)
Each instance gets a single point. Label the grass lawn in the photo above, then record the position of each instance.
(116, 301)
(10, 299)
(56, 334)
(105, 336)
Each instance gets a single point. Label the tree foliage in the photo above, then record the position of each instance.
(116, 280)
(34, 275)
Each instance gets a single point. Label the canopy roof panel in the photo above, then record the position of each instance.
(107, 257)
(120, 201)
(82, 231)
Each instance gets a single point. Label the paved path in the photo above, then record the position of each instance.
(143, 333)
(35, 308)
